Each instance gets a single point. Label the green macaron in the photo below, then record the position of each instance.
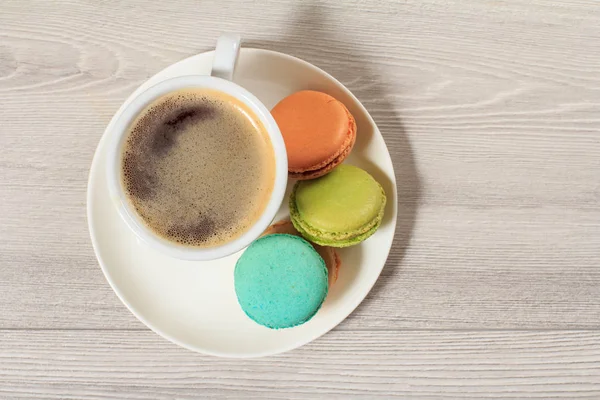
(340, 209)
(280, 281)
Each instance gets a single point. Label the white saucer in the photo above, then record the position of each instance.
(193, 304)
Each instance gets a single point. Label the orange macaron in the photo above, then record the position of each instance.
(318, 130)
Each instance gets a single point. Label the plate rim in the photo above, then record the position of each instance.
(115, 288)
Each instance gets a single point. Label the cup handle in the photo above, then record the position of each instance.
(226, 54)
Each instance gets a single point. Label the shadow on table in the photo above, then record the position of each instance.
(308, 39)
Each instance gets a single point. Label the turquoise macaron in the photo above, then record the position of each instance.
(280, 281)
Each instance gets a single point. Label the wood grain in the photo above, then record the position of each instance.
(491, 110)
(420, 365)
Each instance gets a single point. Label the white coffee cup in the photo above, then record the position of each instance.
(224, 61)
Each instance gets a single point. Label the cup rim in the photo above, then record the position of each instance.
(134, 221)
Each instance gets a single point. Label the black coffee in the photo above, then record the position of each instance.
(198, 167)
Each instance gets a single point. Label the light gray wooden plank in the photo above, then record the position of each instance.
(485, 268)
(415, 364)
(490, 110)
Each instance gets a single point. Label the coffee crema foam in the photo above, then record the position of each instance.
(198, 167)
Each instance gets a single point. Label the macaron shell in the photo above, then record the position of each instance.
(340, 209)
(316, 173)
(344, 200)
(280, 281)
(332, 259)
(337, 240)
(317, 129)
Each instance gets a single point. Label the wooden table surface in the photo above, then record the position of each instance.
(491, 110)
